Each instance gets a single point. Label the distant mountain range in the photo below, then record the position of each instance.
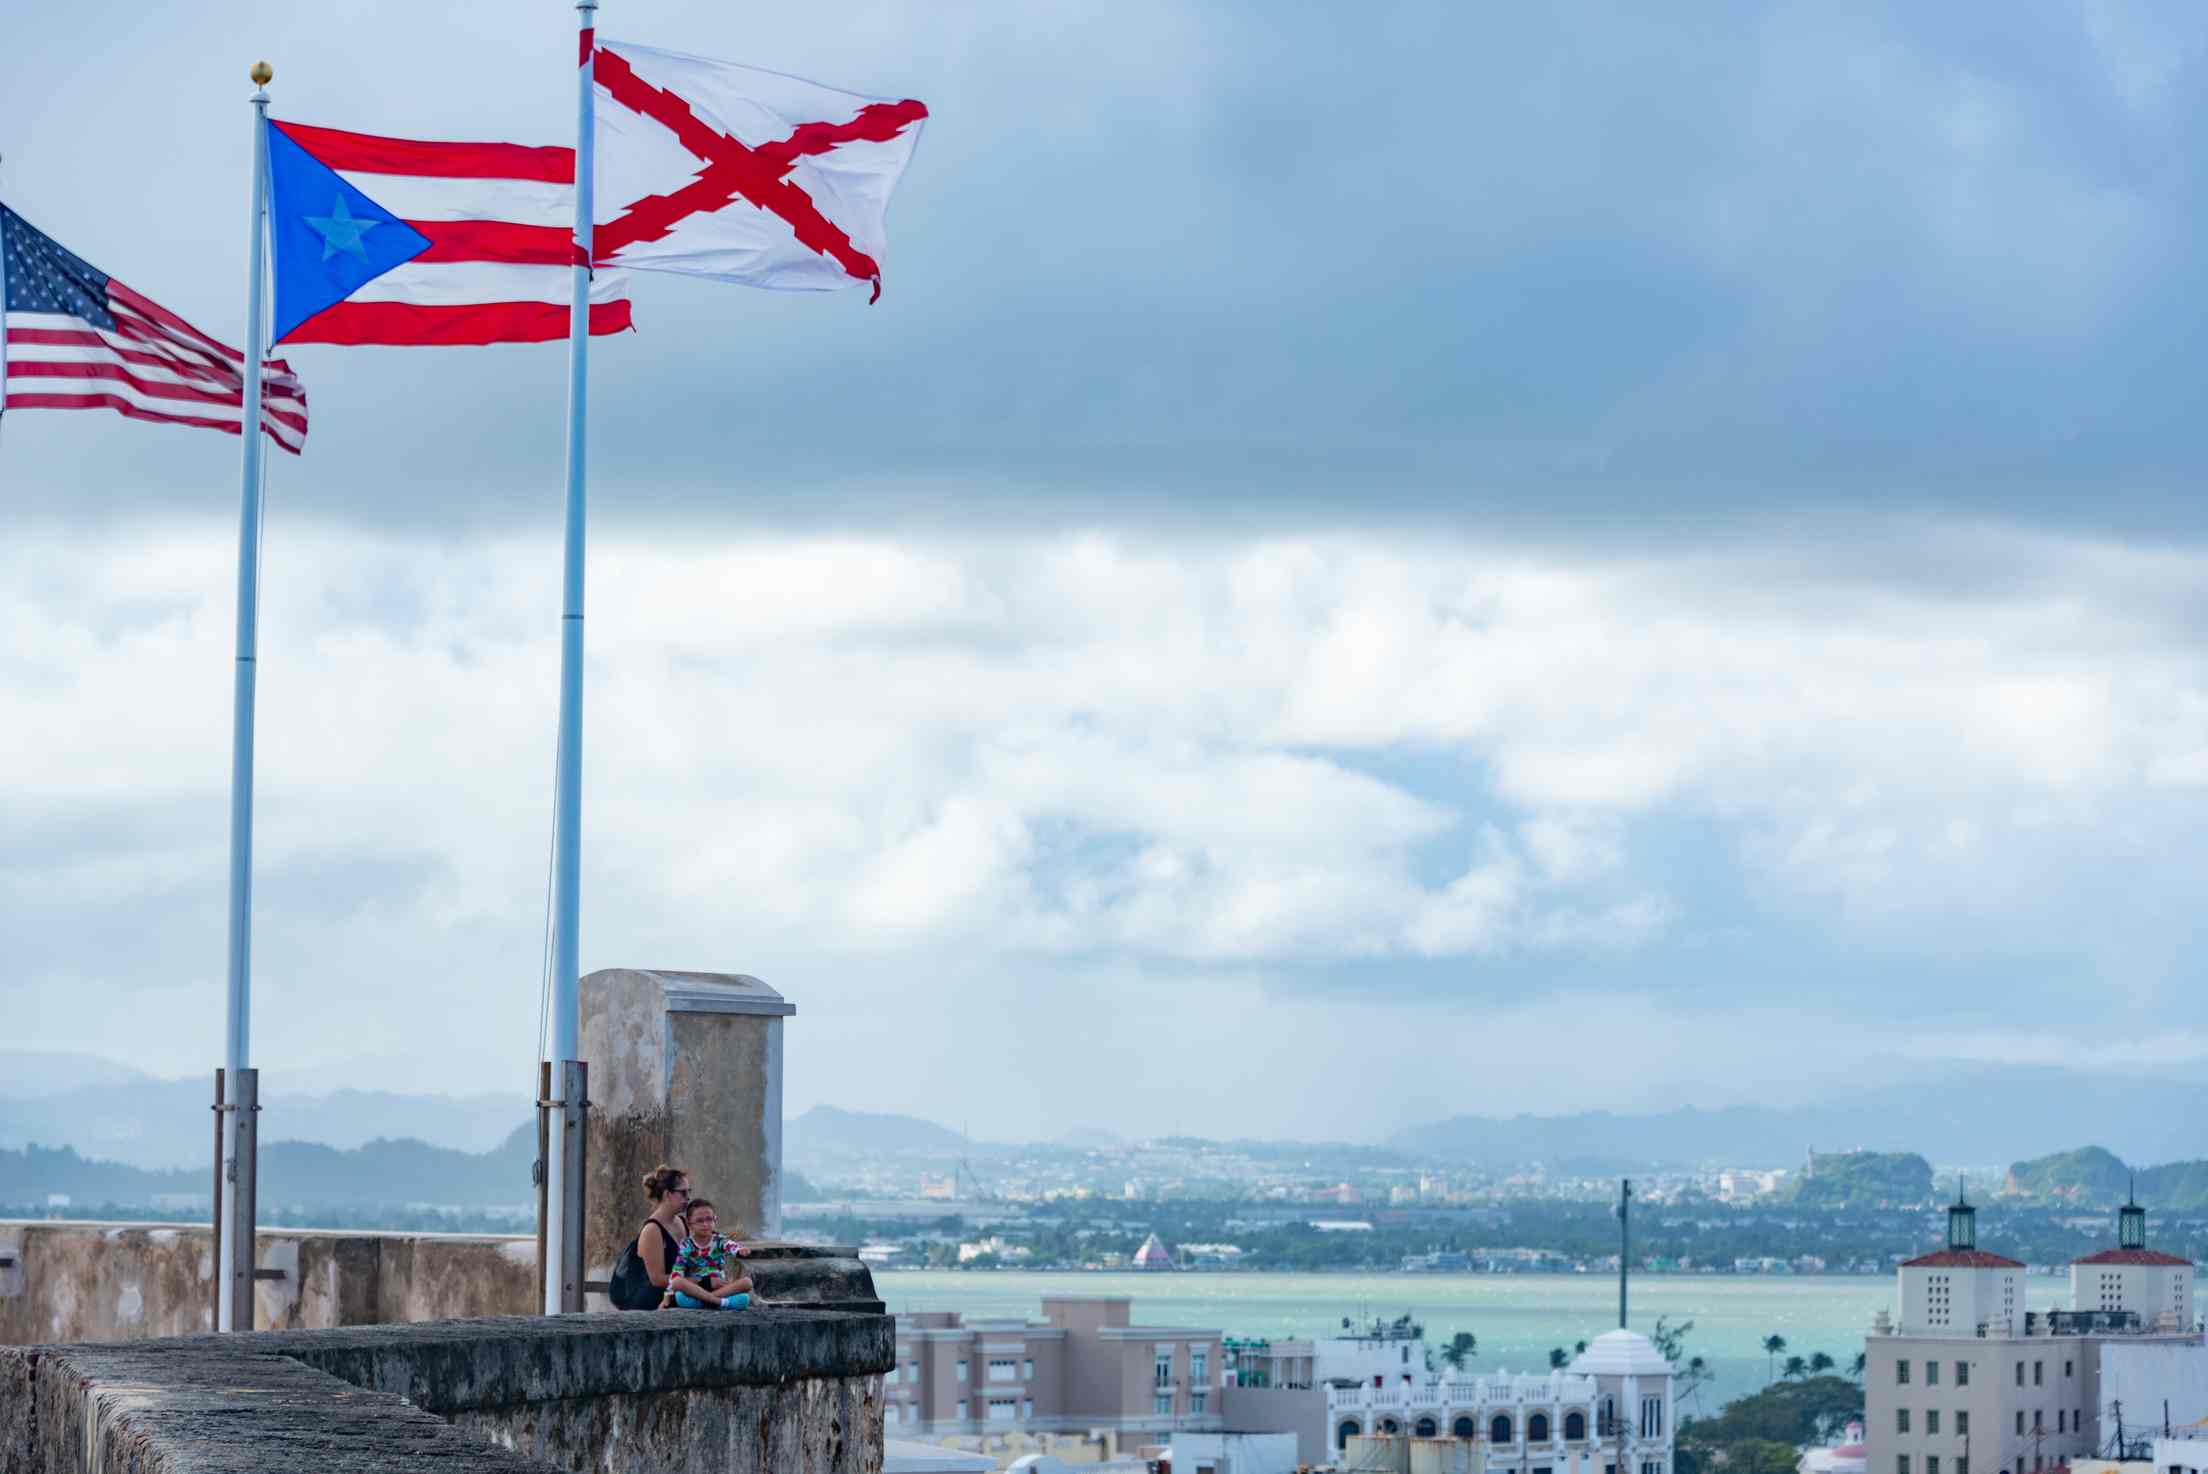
(825, 1132)
(1997, 1115)
(115, 1114)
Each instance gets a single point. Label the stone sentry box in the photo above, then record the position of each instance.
(685, 1067)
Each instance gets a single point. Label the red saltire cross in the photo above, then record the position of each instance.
(760, 175)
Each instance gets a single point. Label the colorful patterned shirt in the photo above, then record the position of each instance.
(707, 1266)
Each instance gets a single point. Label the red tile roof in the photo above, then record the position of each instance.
(2135, 1256)
(1961, 1259)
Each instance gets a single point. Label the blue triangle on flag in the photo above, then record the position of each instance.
(330, 240)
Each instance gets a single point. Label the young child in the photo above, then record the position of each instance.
(700, 1278)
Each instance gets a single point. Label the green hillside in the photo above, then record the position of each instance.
(1863, 1179)
(2095, 1177)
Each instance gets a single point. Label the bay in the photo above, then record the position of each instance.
(1517, 1317)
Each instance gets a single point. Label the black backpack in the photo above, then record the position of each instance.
(631, 1287)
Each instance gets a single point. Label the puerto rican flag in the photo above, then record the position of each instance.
(711, 169)
(405, 241)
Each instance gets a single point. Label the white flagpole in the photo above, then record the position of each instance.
(567, 841)
(238, 1230)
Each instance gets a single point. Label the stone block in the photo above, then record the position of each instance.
(685, 1068)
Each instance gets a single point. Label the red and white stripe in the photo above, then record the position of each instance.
(153, 365)
(500, 220)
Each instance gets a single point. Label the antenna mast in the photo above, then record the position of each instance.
(1625, 1240)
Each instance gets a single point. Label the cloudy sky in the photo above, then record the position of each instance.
(1372, 561)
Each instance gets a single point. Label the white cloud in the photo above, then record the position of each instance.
(1031, 755)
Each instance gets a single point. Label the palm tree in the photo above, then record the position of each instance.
(1796, 1368)
(1819, 1364)
(1855, 1368)
(1698, 1372)
(1558, 1359)
(1773, 1344)
(1462, 1347)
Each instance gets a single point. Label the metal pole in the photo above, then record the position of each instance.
(574, 1115)
(239, 1246)
(1625, 1240)
(215, 1280)
(567, 832)
(537, 1169)
(3, 321)
(237, 1207)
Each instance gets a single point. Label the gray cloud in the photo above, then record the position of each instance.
(1420, 261)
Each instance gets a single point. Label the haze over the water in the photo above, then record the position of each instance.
(1370, 563)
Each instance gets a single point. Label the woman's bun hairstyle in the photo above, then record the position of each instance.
(661, 1178)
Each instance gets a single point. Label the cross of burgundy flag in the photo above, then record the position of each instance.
(742, 175)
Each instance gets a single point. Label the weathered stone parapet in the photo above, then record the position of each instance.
(122, 1281)
(747, 1392)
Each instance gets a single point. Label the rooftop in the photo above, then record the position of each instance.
(2135, 1256)
(1962, 1259)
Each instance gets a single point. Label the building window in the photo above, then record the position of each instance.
(1962, 1374)
(1462, 1427)
(1901, 1372)
(887, 1381)
(1027, 1370)
(1498, 1429)
(1197, 1397)
(1424, 1428)
(1962, 1464)
(1652, 1417)
(2020, 1374)
(1575, 1426)
(1932, 1428)
(1161, 1370)
(1027, 1404)
(1652, 1467)
(2020, 1422)
(1901, 1464)
(1901, 1420)
(962, 1371)
(1931, 1373)
(1003, 1409)
(1199, 1364)
(2038, 1367)
(1931, 1464)
(1004, 1371)
(1962, 1422)
(1537, 1428)
(1348, 1428)
(1162, 1405)
(2066, 1366)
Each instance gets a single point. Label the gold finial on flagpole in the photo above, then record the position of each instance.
(262, 74)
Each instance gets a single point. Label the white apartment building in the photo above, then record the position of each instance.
(1609, 1412)
(1969, 1381)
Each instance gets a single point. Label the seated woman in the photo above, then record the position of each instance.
(701, 1278)
(658, 1239)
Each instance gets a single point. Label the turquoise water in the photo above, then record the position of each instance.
(1517, 1317)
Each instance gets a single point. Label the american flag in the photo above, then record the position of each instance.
(76, 338)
